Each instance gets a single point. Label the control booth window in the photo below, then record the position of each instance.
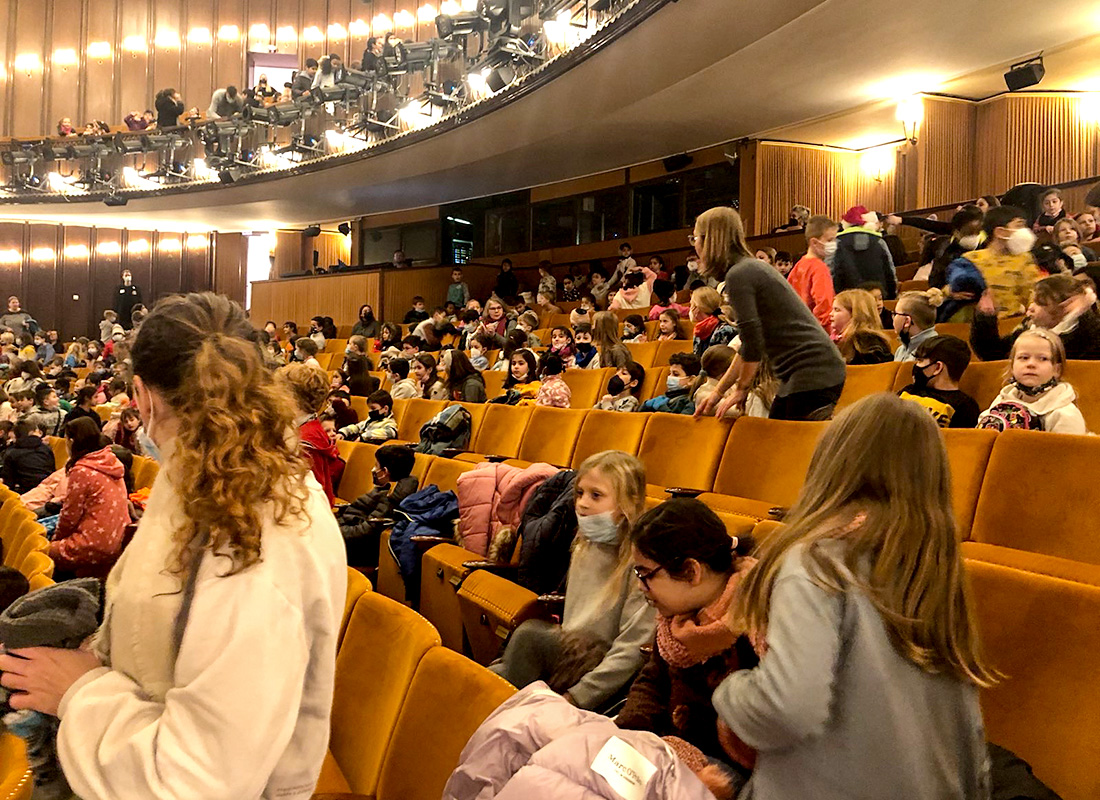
(603, 216)
(658, 206)
(554, 223)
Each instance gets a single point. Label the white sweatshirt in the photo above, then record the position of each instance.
(1056, 406)
(244, 710)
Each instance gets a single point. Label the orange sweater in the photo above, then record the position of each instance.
(812, 282)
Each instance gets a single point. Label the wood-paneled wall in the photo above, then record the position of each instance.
(156, 44)
(826, 180)
(944, 151)
(66, 276)
(298, 299)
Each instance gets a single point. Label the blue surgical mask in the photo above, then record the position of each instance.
(600, 528)
(148, 446)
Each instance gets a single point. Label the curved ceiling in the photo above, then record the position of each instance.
(695, 74)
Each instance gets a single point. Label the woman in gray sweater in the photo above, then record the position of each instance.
(773, 321)
(870, 666)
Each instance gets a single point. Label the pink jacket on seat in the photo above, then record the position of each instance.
(537, 746)
(492, 496)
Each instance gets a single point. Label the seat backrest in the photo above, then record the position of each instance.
(654, 383)
(444, 472)
(1046, 520)
(36, 562)
(60, 447)
(552, 435)
(968, 453)
(644, 353)
(417, 412)
(494, 382)
(667, 348)
(145, 471)
(383, 644)
(983, 381)
(1085, 378)
(335, 345)
(766, 459)
(324, 360)
(586, 385)
(356, 480)
(609, 430)
(502, 430)
(866, 379)
(399, 408)
(477, 417)
(1039, 630)
(426, 744)
(679, 450)
(358, 585)
(359, 406)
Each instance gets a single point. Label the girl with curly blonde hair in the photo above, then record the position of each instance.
(212, 673)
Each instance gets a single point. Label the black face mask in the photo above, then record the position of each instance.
(615, 386)
(584, 347)
(1033, 391)
(376, 416)
(920, 377)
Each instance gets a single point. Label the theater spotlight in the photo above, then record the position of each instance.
(53, 151)
(341, 93)
(228, 175)
(93, 150)
(13, 158)
(500, 77)
(114, 200)
(418, 55)
(260, 114)
(360, 80)
(286, 113)
(154, 142)
(344, 228)
(461, 24)
(127, 145)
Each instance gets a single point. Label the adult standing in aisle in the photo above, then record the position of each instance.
(774, 324)
(126, 297)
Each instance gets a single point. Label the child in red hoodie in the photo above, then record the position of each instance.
(810, 277)
(310, 387)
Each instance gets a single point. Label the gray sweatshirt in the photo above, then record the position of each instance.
(774, 321)
(836, 713)
(620, 619)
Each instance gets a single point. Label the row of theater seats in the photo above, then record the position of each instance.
(1034, 562)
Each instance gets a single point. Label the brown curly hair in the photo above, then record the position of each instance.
(310, 386)
(233, 454)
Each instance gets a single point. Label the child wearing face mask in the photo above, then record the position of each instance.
(562, 345)
(937, 369)
(810, 277)
(586, 351)
(689, 571)
(914, 321)
(634, 329)
(597, 650)
(1034, 395)
(379, 424)
(683, 369)
(1003, 271)
(360, 521)
(623, 389)
(478, 357)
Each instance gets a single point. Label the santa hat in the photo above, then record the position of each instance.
(859, 215)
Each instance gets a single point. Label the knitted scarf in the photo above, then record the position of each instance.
(704, 328)
(689, 639)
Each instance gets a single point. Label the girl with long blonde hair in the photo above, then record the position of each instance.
(857, 328)
(596, 650)
(214, 666)
(610, 350)
(773, 321)
(861, 611)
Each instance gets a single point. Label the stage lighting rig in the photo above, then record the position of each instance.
(53, 151)
(127, 145)
(461, 24)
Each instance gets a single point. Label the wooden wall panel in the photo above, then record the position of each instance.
(133, 87)
(197, 273)
(40, 274)
(137, 256)
(11, 269)
(945, 152)
(229, 56)
(28, 112)
(298, 299)
(167, 267)
(399, 286)
(63, 96)
(77, 317)
(98, 81)
(165, 55)
(198, 61)
(313, 15)
(289, 253)
(106, 270)
(7, 8)
(230, 262)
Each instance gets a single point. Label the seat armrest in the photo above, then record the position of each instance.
(495, 567)
(495, 459)
(681, 491)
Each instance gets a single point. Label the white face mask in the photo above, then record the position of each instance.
(1021, 240)
(1079, 261)
(599, 528)
(969, 242)
(829, 249)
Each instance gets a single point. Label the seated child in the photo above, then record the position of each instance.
(379, 424)
(635, 293)
(527, 322)
(623, 389)
(683, 369)
(884, 314)
(309, 386)
(569, 291)
(586, 351)
(359, 520)
(305, 351)
(668, 326)
(597, 649)
(713, 364)
(522, 385)
(689, 572)
(545, 304)
(561, 345)
(553, 391)
(417, 314)
(28, 460)
(1034, 396)
(478, 349)
(634, 329)
(663, 291)
(783, 262)
(940, 364)
(402, 387)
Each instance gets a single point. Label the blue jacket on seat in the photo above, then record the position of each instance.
(428, 512)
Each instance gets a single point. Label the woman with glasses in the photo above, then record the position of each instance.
(689, 569)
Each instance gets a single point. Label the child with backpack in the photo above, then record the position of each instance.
(359, 521)
(624, 389)
(1034, 396)
(859, 607)
(597, 649)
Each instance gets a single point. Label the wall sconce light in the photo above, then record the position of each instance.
(469, 5)
(171, 245)
(138, 246)
(426, 13)
(65, 57)
(42, 253)
(229, 33)
(108, 249)
(134, 45)
(404, 19)
(449, 8)
(259, 33)
(11, 257)
(1088, 107)
(380, 24)
(75, 251)
(28, 63)
(286, 36)
(876, 162)
(313, 35)
(910, 114)
(199, 36)
(99, 50)
(359, 28)
(337, 32)
(196, 241)
(166, 39)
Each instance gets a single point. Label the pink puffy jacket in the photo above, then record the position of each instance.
(492, 496)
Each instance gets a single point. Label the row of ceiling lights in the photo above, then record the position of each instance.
(168, 39)
(195, 241)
